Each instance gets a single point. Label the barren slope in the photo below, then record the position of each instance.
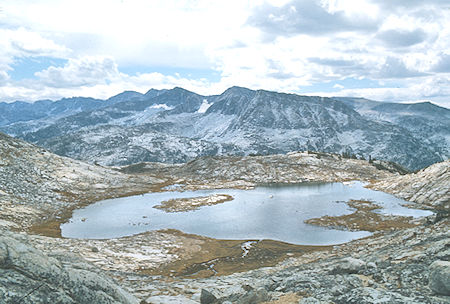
(429, 186)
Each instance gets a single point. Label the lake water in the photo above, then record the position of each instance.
(266, 212)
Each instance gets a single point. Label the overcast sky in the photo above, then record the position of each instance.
(393, 50)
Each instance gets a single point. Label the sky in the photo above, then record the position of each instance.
(388, 50)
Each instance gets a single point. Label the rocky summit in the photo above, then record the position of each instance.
(176, 126)
(39, 190)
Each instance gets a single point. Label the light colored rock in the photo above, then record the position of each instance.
(429, 186)
(349, 265)
(309, 300)
(166, 299)
(29, 276)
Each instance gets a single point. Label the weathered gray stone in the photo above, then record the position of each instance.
(440, 277)
(254, 297)
(29, 276)
(309, 300)
(369, 295)
(349, 265)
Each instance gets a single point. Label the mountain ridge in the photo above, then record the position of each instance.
(241, 121)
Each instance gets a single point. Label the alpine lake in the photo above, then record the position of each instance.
(270, 212)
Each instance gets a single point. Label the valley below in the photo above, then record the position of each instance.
(404, 260)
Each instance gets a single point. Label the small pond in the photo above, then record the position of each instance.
(266, 212)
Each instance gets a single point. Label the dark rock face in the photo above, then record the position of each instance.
(239, 122)
(207, 298)
(29, 276)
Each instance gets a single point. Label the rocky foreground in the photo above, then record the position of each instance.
(38, 190)
(407, 266)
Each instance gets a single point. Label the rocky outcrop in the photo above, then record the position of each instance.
(29, 276)
(428, 187)
(295, 167)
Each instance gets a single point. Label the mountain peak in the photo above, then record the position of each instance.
(125, 95)
(237, 90)
(181, 90)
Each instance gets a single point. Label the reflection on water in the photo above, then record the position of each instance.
(266, 212)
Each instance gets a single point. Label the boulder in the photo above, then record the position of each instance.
(348, 266)
(439, 280)
(207, 298)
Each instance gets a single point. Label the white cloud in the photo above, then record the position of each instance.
(172, 32)
(396, 68)
(435, 88)
(86, 71)
(4, 77)
(21, 42)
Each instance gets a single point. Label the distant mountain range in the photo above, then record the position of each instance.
(178, 125)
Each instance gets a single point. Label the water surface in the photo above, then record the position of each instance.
(266, 212)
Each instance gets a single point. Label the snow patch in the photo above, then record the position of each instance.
(161, 106)
(204, 106)
(246, 247)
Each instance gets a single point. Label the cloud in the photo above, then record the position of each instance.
(338, 68)
(396, 68)
(436, 88)
(277, 70)
(86, 71)
(396, 4)
(4, 77)
(22, 42)
(443, 65)
(401, 38)
(307, 17)
(332, 62)
(175, 33)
